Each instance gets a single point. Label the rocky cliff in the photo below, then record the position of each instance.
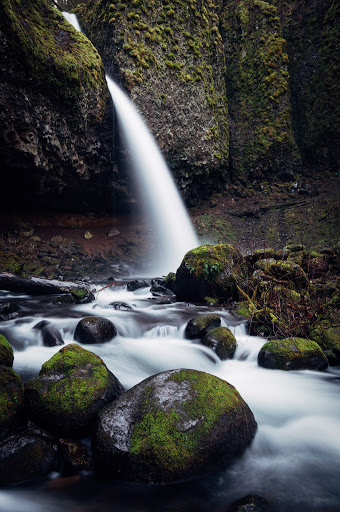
(170, 58)
(56, 117)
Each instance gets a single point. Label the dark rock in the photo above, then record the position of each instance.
(9, 310)
(292, 354)
(11, 400)
(94, 329)
(75, 455)
(50, 336)
(121, 306)
(222, 341)
(25, 454)
(6, 352)
(135, 285)
(71, 389)
(199, 326)
(172, 426)
(157, 290)
(251, 503)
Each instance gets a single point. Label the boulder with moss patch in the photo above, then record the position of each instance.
(292, 354)
(71, 389)
(210, 270)
(11, 399)
(199, 326)
(171, 426)
(6, 352)
(285, 272)
(222, 341)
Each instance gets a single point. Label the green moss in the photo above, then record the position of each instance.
(6, 352)
(157, 434)
(210, 260)
(77, 388)
(291, 349)
(11, 395)
(56, 55)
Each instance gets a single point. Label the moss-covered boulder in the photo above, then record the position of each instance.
(71, 389)
(56, 118)
(199, 326)
(222, 341)
(94, 329)
(285, 272)
(6, 352)
(210, 270)
(328, 338)
(292, 354)
(172, 426)
(26, 454)
(170, 57)
(11, 399)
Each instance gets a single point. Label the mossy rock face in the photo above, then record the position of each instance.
(287, 272)
(11, 399)
(292, 354)
(26, 454)
(170, 57)
(210, 270)
(6, 352)
(329, 340)
(222, 341)
(201, 325)
(172, 426)
(262, 140)
(71, 389)
(54, 82)
(94, 329)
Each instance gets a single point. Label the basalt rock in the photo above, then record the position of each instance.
(292, 354)
(94, 329)
(11, 399)
(171, 426)
(6, 352)
(170, 58)
(56, 120)
(222, 341)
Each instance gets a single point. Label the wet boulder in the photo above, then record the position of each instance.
(25, 454)
(250, 503)
(222, 341)
(210, 270)
(6, 352)
(171, 426)
(199, 326)
(9, 310)
(11, 400)
(71, 389)
(136, 285)
(94, 329)
(292, 354)
(76, 456)
(49, 335)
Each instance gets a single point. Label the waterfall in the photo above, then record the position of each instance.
(173, 231)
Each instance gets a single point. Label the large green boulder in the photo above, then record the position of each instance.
(284, 272)
(11, 399)
(71, 389)
(292, 354)
(210, 270)
(6, 352)
(222, 341)
(172, 426)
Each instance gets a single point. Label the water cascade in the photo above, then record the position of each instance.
(163, 206)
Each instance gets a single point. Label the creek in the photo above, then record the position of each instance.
(294, 460)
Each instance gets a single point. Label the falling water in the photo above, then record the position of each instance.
(173, 232)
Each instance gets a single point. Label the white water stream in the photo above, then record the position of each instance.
(165, 211)
(294, 460)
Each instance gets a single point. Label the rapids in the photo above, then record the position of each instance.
(294, 460)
